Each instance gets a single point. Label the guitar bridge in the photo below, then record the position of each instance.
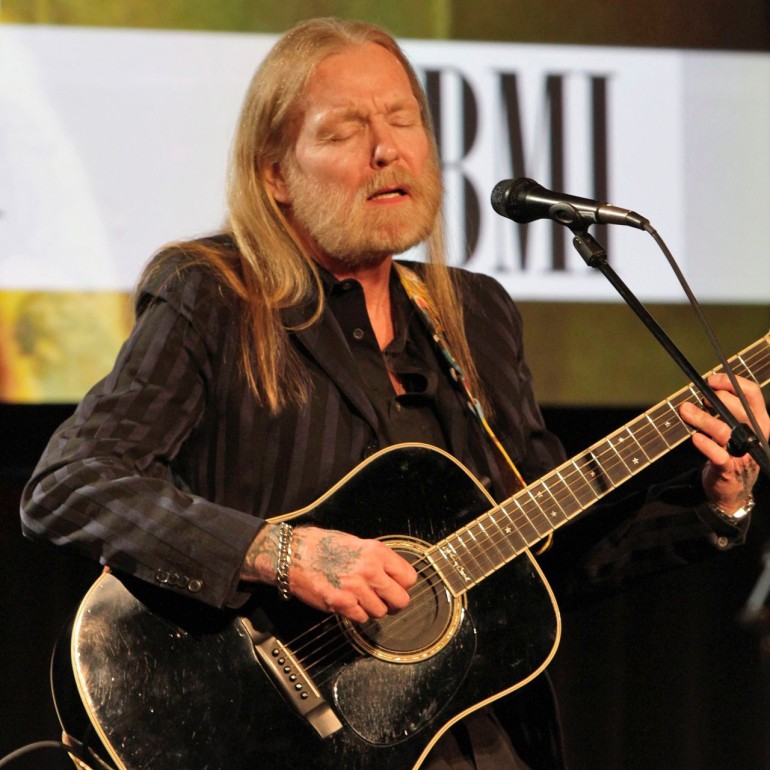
(292, 680)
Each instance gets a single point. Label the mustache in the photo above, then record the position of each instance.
(398, 178)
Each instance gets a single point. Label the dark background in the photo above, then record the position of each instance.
(662, 676)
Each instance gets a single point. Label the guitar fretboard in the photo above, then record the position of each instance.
(468, 555)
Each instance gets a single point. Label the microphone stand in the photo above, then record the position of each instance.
(742, 440)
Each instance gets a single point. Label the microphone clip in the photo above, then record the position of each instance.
(593, 253)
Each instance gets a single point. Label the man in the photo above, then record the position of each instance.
(268, 361)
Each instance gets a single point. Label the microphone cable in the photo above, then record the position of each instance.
(711, 336)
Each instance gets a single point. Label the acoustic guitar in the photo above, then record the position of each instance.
(166, 683)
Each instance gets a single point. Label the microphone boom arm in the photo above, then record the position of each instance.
(743, 440)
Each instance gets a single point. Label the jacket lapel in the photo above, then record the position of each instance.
(325, 343)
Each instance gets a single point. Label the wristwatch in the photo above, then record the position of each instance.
(741, 513)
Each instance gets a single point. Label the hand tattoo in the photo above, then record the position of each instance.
(333, 560)
(264, 544)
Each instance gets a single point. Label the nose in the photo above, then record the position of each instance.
(384, 146)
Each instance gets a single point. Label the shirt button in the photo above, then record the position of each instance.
(358, 334)
(194, 585)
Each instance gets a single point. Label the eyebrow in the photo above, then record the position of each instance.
(349, 112)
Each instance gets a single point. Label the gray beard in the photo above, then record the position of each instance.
(347, 233)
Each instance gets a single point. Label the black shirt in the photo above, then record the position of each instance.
(412, 415)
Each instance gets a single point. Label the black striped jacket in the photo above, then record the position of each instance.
(168, 467)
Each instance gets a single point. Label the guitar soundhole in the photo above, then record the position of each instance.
(424, 626)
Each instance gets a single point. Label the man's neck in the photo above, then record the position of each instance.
(375, 281)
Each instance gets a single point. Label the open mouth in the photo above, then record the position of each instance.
(390, 193)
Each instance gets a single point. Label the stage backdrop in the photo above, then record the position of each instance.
(660, 677)
(114, 141)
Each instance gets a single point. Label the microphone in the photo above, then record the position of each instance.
(524, 200)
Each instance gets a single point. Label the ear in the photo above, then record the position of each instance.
(276, 184)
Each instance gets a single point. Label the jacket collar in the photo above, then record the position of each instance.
(325, 343)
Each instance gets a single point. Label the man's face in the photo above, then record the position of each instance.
(361, 182)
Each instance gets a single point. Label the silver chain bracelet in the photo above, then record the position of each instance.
(284, 561)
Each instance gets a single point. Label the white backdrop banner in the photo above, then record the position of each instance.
(113, 142)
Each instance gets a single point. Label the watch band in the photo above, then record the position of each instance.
(741, 513)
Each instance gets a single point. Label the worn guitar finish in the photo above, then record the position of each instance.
(170, 684)
(176, 686)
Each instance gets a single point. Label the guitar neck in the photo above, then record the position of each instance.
(468, 555)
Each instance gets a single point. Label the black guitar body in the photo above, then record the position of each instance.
(172, 685)
(169, 684)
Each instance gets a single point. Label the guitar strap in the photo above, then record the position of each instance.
(418, 293)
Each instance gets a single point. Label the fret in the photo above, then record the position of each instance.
(669, 423)
(760, 369)
(479, 549)
(495, 538)
(584, 490)
(491, 528)
(462, 545)
(563, 501)
(592, 470)
(532, 506)
(648, 437)
(695, 396)
(743, 370)
(570, 503)
(547, 504)
(510, 528)
(521, 519)
(749, 373)
(638, 431)
(760, 360)
(629, 451)
(619, 466)
(461, 565)
(607, 460)
(657, 439)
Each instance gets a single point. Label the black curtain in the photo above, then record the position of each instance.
(663, 676)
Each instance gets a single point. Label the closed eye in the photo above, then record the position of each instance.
(404, 119)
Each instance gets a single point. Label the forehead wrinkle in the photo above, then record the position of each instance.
(356, 111)
(333, 95)
(325, 77)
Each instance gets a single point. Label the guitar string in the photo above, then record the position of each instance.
(400, 619)
(322, 653)
(640, 437)
(559, 485)
(684, 394)
(646, 438)
(605, 456)
(650, 428)
(472, 551)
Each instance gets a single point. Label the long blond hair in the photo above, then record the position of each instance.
(269, 271)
